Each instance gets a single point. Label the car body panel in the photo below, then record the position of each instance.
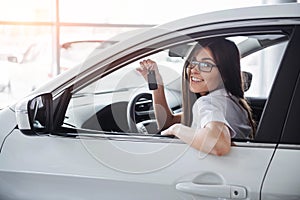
(281, 181)
(124, 165)
(288, 10)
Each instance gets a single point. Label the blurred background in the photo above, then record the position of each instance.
(40, 39)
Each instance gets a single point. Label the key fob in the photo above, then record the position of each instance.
(152, 83)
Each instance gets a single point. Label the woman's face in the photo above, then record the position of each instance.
(200, 81)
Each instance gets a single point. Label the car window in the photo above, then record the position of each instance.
(107, 104)
(263, 65)
(103, 105)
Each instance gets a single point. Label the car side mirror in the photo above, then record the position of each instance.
(35, 115)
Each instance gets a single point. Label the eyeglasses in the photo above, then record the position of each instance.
(201, 65)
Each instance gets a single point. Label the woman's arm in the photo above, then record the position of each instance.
(163, 113)
(214, 138)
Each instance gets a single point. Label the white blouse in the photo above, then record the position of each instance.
(219, 106)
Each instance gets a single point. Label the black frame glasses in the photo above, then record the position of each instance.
(202, 66)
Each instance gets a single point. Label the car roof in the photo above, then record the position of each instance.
(276, 11)
(287, 10)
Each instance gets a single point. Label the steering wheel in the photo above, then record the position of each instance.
(140, 114)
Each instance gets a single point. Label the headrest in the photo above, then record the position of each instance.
(246, 79)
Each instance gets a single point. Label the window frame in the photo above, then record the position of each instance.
(290, 133)
(277, 106)
(266, 134)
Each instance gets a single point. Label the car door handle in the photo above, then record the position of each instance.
(216, 191)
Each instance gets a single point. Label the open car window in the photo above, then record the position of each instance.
(108, 103)
(263, 65)
(104, 104)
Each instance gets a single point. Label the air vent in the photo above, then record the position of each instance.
(143, 104)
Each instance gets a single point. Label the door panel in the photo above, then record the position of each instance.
(131, 168)
(282, 180)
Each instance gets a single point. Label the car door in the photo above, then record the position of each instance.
(87, 157)
(282, 178)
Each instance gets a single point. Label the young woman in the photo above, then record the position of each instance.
(214, 108)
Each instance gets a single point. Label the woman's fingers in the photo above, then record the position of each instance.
(172, 130)
(148, 64)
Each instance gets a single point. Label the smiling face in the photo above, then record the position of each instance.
(200, 81)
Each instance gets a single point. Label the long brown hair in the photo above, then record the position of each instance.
(227, 58)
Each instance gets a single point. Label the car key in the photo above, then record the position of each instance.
(152, 83)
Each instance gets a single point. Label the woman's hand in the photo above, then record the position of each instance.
(172, 130)
(163, 113)
(147, 65)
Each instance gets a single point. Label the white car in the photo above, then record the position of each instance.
(90, 133)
